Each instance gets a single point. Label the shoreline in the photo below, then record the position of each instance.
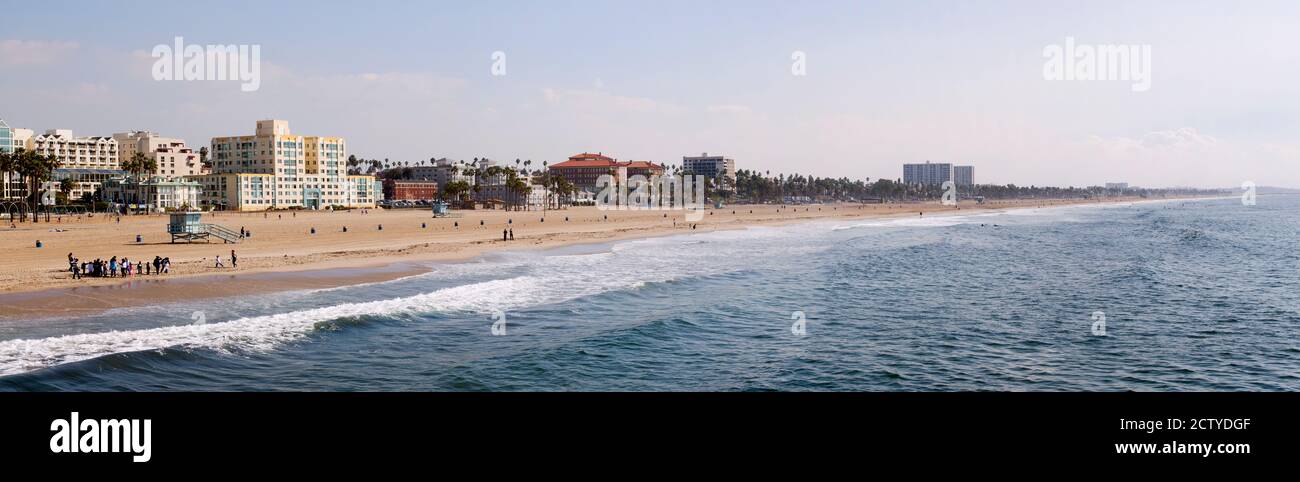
(380, 259)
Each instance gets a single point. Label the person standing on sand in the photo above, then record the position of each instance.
(157, 265)
(504, 235)
(512, 234)
(234, 261)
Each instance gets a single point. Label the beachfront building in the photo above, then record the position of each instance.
(13, 186)
(276, 169)
(532, 199)
(718, 168)
(87, 161)
(174, 158)
(6, 137)
(964, 175)
(444, 171)
(97, 152)
(584, 171)
(154, 193)
(410, 190)
(7, 146)
(646, 169)
(927, 174)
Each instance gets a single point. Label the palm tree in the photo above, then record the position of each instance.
(6, 166)
(520, 189)
(66, 186)
(137, 166)
(35, 169)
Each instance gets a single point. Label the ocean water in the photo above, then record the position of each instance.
(1196, 295)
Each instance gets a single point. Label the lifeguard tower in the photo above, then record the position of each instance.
(443, 210)
(188, 227)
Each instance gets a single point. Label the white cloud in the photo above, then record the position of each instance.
(33, 52)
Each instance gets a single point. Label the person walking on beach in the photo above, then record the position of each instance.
(167, 265)
(504, 235)
(234, 260)
(219, 265)
(512, 234)
(157, 264)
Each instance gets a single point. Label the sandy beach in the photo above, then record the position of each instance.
(283, 254)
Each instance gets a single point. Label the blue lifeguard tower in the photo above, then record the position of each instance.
(188, 227)
(443, 210)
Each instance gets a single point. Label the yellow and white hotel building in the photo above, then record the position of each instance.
(275, 169)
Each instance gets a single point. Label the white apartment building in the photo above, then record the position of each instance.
(718, 168)
(88, 161)
(158, 192)
(276, 169)
(97, 152)
(174, 158)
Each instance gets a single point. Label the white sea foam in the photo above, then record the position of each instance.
(550, 279)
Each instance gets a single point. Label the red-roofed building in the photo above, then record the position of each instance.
(644, 168)
(584, 170)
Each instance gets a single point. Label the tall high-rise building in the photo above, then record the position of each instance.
(928, 173)
(964, 175)
(718, 168)
(276, 169)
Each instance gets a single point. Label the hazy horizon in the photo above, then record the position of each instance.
(886, 83)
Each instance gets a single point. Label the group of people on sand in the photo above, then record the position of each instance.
(115, 268)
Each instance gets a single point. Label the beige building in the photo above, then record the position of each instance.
(276, 169)
(174, 158)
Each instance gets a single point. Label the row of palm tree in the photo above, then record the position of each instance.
(139, 165)
(34, 169)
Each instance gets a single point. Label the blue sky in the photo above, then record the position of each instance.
(886, 83)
